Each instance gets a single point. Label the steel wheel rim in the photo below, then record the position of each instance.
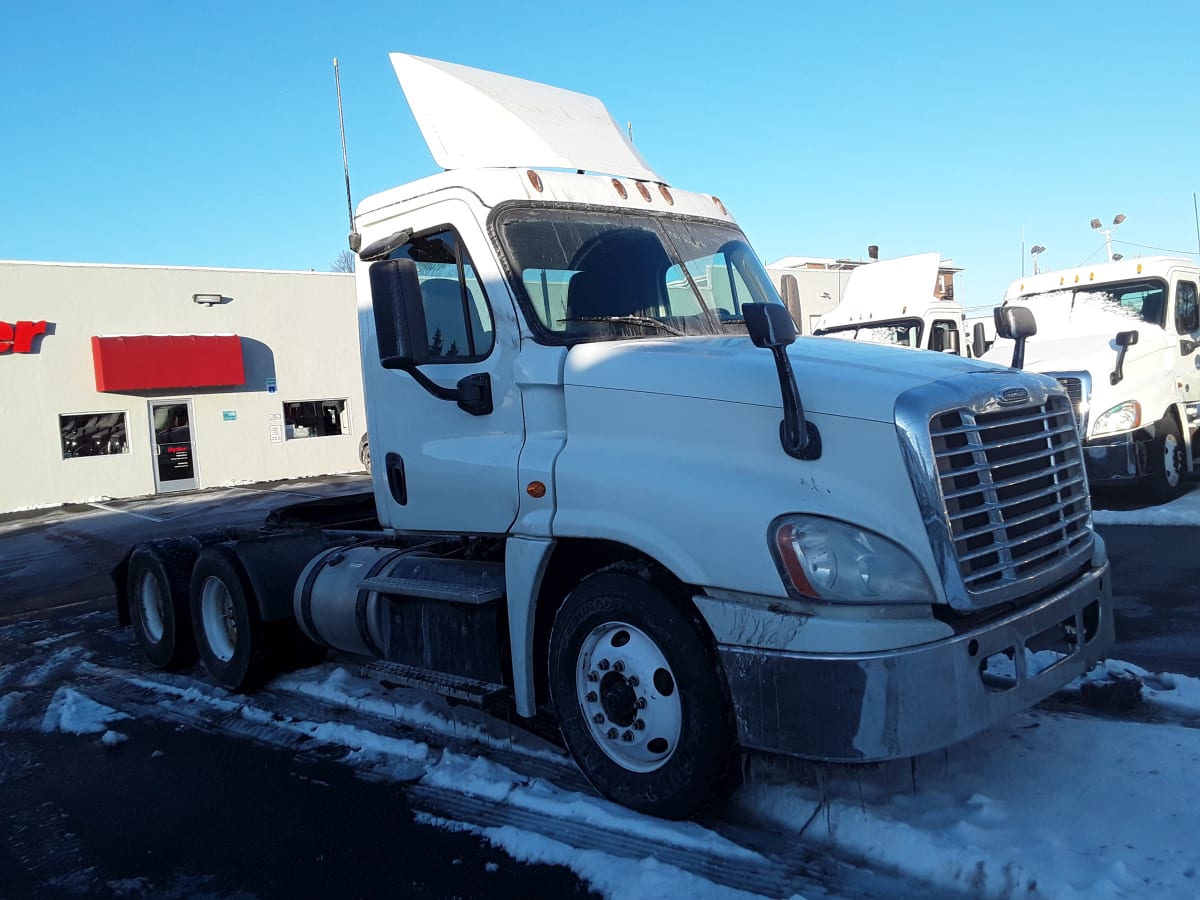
(150, 606)
(220, 623)
(629, 697)
(1172, 458)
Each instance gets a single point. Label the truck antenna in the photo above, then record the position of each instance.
(355, 238)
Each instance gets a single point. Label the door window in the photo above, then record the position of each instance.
(458, 321)
(1187, 314)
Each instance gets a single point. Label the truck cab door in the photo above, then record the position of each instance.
(1187, 327)
(440, 465)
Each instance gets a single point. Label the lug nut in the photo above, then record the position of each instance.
(598, 718)
(593, 676)
(603, 665)
(591, 697)
(618, 666)
(633, 680)
(641, 703)
(627, 736)
(612, 734)
(639, 725)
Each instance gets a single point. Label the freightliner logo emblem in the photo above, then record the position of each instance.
(1014, 395)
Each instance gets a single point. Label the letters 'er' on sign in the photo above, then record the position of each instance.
(18, 338)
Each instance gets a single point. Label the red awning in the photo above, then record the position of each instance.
(146, 362)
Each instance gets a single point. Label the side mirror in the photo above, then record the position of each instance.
(979, 340)
(399, 315)
(1124, 340)
(770, 325)
(1016, 323)
(403, 338)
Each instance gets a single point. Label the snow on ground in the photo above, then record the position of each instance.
(1183, 511)
(1052, 804)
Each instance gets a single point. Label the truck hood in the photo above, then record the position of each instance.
(1077, 342)
(836, 377)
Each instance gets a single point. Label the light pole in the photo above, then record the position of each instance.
(1035, 251)
(1107, 232)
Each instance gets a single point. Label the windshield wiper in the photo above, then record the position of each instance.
(630, 320)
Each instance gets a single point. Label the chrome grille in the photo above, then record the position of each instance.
(1073, 385)
(1014, 491)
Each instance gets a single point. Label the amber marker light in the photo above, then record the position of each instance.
(662, 189)
(620, 189)
(644, 191)
(535, 179)
(721, 206)
(536, 490)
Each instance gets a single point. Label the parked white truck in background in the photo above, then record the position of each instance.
(1122, 338)
(894, 301)
(597, 499)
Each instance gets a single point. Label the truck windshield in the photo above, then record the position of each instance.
(607, 275)
(1137, 300)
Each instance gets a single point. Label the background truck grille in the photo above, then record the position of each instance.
(1073, 385)
(1014, 490)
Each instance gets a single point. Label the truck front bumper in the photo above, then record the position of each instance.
(901, 703)
(1119, 459)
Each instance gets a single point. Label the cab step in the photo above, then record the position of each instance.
(469, 691)
(422, 589)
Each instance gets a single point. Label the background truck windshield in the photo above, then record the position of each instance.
(599, 275)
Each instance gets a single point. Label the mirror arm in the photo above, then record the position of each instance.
(798, 436)
(473, 394)
(1018, 360)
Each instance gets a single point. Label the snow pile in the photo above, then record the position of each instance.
(72, 712)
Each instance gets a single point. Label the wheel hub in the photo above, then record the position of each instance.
(618, 699)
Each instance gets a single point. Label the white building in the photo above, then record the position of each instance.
(122, 381)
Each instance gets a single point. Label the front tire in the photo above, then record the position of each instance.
(640, 697)
(157, 585)
(230, 635)
(1168, 463)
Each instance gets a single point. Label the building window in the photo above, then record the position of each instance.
(315, 418)
(92, 434)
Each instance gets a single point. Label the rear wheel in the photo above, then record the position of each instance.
(157, 583)
(1168, 462)
(639, 695)
(230, 635)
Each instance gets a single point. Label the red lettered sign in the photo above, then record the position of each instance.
(18, 338)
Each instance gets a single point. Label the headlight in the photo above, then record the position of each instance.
(824, 559)
(1122, 417)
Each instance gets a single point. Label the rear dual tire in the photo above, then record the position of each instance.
(230, 634)
(157, 582)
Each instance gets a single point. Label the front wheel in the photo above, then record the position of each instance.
(1168, 461)
(230, 635)
(637, 688)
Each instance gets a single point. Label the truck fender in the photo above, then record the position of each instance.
(273, 563)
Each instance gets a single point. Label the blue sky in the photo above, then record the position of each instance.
(206, 134)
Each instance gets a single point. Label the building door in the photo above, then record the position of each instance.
(174, 450)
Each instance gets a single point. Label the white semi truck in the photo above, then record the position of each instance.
(612, 489)
(1122, 338)
(894, 301)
